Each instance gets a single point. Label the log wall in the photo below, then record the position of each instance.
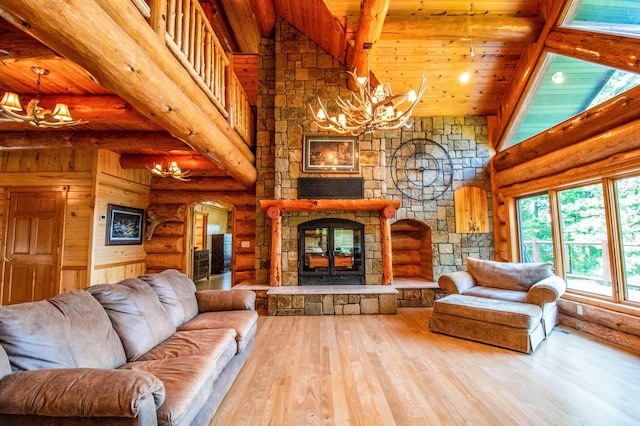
(172, 199)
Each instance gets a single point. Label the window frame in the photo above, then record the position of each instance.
(612, 225)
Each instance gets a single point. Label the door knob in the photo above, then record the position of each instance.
(7, 259)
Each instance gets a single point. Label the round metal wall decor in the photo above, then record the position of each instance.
(421, 169)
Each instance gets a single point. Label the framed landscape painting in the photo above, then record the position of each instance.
(331, 154)
(124, 225)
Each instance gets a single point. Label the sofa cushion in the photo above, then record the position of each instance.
(209, 343)
(512, 314)
(176, 292)
(243, 322)
(67, 331)
(497, 293)
(509, 276)
(136, 314)
(187, 363)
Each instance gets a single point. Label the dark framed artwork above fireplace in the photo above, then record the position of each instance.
(330, 154)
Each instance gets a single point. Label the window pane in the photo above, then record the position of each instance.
(567, 88)
(607, 16)
(584, 239)
(534, 219)
(629, 206)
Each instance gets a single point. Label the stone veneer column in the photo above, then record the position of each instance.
(292, 72)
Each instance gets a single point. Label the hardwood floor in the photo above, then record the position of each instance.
(391, 370)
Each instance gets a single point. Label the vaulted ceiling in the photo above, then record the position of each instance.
(410, 39)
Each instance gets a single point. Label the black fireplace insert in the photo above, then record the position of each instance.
(331, 252)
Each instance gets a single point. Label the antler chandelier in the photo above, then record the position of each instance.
(173, 171)
(33, 114)
(369, 110)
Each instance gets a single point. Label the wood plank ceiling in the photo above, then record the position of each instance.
(431, 38)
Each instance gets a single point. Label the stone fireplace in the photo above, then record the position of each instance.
(293, 71)
(359, 223)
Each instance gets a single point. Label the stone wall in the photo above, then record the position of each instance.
(293, 71)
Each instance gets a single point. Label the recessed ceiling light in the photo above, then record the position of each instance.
(558, 78)
(465, 77)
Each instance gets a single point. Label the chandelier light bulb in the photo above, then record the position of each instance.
(411, 96)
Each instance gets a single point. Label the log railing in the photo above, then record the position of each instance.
(190, 37)
(241, 116)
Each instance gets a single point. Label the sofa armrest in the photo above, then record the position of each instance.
(225, 300)
(456, 282)
(82, 392)
(547, 290)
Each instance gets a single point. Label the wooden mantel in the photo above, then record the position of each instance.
(328, 205)
(274, 209)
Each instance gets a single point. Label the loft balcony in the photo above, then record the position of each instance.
(161, 57)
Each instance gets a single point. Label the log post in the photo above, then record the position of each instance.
(275, 277)
(158, 20)
(385, 237)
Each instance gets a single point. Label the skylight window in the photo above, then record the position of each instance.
(567, 87)
(606, 16)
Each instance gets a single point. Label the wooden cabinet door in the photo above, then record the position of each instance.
(32, 254)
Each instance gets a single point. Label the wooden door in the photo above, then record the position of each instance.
(32, 254)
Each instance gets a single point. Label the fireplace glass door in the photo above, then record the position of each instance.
(331, 251)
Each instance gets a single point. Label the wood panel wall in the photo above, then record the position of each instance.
(125, 187)
(67, 169)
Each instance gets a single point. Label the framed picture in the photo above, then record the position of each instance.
(331, 154)
(124, 225)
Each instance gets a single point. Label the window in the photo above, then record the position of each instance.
(536, 243)
(628, 192)
(606, 16)
(597, 248)
(566, 87)
(584, 240)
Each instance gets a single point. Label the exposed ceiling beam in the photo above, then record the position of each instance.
(115, 141)
(372, 18)
(243, 24)
(186, 162)
(486, 28)
(204, 183)
(220, 24)
(265, 14)
(121, 64)
(16, 45)
(606, 49)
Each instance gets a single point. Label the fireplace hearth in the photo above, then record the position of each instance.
(331, 252)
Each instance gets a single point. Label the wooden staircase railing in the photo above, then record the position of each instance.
(190, 37)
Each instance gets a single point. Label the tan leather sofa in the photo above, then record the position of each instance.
(146, 351)
(512, 305)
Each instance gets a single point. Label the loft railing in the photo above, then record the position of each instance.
(184, 27)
